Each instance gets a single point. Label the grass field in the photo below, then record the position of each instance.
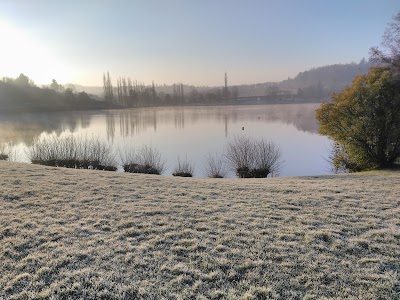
(81, 234)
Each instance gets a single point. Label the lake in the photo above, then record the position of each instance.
(191, 131)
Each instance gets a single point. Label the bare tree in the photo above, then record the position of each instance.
(108, 88)
(119, 91)
(391, 43)
(125, 91)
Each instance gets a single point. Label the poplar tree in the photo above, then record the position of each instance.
(108, 88)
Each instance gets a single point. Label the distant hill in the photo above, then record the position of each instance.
(333, 78)
(321, 81)
(314, 83)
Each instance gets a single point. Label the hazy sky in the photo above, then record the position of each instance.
(187, 41)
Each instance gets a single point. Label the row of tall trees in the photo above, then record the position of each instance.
(131, 93)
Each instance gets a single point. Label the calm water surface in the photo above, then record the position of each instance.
(190, 132)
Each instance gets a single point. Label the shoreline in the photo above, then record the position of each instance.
(102, 106)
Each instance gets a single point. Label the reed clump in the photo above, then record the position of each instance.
(145, 160)
(253, 158)
(73, 152)
(215, 166)
(7, 151)
(184, 168)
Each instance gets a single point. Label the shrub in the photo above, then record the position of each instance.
(44, 151)
(250, 158)
(364, 121)
(146, 160)
(72, 152)
(215, 166)
(94, 154)
(267, 159)
(240, 155)
(184, 168)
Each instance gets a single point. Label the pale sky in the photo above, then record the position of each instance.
(194, 42)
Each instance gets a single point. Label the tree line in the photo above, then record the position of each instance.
(21, 94)
(132, 93)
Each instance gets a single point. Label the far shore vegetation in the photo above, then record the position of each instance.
(21, 94)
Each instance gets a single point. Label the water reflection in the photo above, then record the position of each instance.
(134, 122)
(25, 127)
(110, 127)
(179, 118)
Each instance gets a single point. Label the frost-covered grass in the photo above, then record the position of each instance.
(81, 234)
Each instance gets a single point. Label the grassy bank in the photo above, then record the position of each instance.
(67, 233)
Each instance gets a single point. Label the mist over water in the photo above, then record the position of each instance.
(190, 132)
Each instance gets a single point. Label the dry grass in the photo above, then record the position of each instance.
(81, 234)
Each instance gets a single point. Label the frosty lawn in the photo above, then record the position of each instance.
(68, 233)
